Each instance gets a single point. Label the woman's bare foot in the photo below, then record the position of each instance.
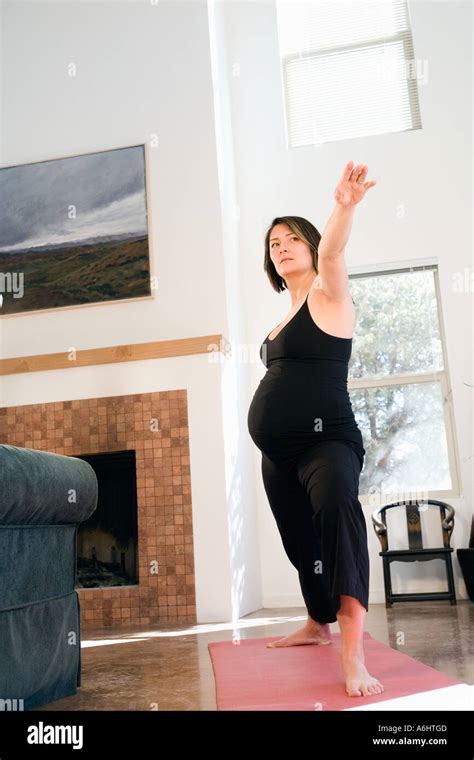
(311, 633)
(358, 681)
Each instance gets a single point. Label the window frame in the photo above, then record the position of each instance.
(441, 376)
(404, 36)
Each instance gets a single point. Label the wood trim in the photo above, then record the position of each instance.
(131, 352)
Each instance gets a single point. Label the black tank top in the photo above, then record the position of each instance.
(303, 400)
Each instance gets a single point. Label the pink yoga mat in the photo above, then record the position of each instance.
(250, 676)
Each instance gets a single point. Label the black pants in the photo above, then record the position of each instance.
(316, 507)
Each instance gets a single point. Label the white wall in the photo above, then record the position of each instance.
(220, 174)
(142, 69)
(427, 170)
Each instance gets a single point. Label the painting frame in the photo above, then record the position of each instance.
(147, 283)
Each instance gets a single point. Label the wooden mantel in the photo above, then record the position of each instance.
(131, 352)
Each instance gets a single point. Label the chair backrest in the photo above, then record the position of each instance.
(412, 510)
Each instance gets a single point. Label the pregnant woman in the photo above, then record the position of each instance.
(302, 421)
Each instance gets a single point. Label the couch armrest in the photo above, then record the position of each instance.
(43, 488)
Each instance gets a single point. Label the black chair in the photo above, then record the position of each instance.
(415, 552)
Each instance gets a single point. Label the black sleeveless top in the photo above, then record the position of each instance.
(302, 399)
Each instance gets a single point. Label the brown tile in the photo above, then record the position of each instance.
(80, 426)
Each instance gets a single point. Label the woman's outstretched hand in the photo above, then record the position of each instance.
(352, 187)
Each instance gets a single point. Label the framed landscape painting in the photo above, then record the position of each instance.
(74, 231)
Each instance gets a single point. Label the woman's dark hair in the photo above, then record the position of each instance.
(304, 230)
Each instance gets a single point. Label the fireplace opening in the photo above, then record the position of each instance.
(107, 541)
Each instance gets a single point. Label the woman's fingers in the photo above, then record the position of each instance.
(361, 173)
(352, 172)
(355, 172)
(347, 171)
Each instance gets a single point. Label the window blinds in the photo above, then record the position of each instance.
(348, 69)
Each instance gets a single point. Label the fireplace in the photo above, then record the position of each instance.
(107, 541)
(154, 427)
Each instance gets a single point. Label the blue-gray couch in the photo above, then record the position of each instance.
(43, 498)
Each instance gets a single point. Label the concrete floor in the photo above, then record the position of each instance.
(169, 668)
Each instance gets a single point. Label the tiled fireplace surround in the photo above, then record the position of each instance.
(155, 425)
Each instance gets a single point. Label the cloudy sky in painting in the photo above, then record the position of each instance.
(107, 189)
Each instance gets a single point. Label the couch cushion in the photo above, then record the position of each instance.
(37, 562)
(40, 654)
(40, 487)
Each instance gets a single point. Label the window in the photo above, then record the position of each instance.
(348, 70)
(399, 385)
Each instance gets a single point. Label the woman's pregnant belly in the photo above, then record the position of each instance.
(295, 409)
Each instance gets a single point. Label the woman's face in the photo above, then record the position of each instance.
(288, 252)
